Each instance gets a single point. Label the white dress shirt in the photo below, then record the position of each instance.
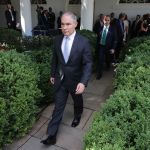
(70, 38)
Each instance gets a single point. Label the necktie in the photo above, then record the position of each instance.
(103, 38)
(12, 17)
(66, 51)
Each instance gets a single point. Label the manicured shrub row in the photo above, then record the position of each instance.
(19, 93)
(93, 41)
(123, 122)
(39, 49)
(129, 48)
(43, 58)
(24, 81)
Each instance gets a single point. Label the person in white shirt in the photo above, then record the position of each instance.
(10, 15)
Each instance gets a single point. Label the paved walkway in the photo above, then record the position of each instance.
(68, 138)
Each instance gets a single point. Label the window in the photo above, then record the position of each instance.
(134, 1)
(72, 2)
(4, 2)
(38, 2)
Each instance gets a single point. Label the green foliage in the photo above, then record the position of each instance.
(18, 94)
(3, 116)
(93, 41)
(130, 47)
(11, 37)
(123, 122)
(36, 43)
(43, 58)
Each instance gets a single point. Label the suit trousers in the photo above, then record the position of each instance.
(61, 97)
(103, 55)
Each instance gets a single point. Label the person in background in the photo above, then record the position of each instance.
(126, 29)
(107, 42)
(98, 24)
(120, 34)
(135, 26)
(59, 20)
(144, 26)
(10, 15)
(51, 18)
(113, 19)
(70, 73)
(39, 11)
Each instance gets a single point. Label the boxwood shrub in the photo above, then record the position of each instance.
(12, 38)
(42, 58)
(130, 47)
(91, 36)
(134, 72)
(18, 94)
(35, 43)
(123, 123)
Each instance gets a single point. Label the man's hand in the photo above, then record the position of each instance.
(112, 51)
(80, 88)
(52, 80)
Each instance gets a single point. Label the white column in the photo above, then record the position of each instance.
(87, 10)
(25, 17)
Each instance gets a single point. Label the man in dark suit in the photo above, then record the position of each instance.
(71, 70)
(107, 41)
(51, 18)
(120, 34)
(10, 15)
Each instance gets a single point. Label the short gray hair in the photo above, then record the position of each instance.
(71, 14)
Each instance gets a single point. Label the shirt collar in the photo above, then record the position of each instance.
(106, 26)
(72, 35)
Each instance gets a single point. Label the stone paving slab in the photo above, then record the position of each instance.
(92, 101)
(34, 144)
(18, 143)
(42, 131)
(67, 120)
(48, 111)
(70, 138)
(89, 122)
(42, 120)
(68, 116)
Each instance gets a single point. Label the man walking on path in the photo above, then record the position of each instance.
(71, 71)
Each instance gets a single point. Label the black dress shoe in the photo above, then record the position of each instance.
(75, 122)
(50, 140)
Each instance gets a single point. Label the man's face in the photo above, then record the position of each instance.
(8, 6)
(68, 25)
(107, 21)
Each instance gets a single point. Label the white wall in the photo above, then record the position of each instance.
(57, 5)
(108, 6)
(101, 6)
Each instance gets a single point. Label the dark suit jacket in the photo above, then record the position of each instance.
(120, 31)
(79, 65)
(111, 38)
(9, 17)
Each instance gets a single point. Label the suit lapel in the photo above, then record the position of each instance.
(73, 48)
(60, 50)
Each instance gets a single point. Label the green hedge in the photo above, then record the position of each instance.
(123, 122)
(18, 95)
(129, 48)
(12, 38)
(91, 36)
(43, 58)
